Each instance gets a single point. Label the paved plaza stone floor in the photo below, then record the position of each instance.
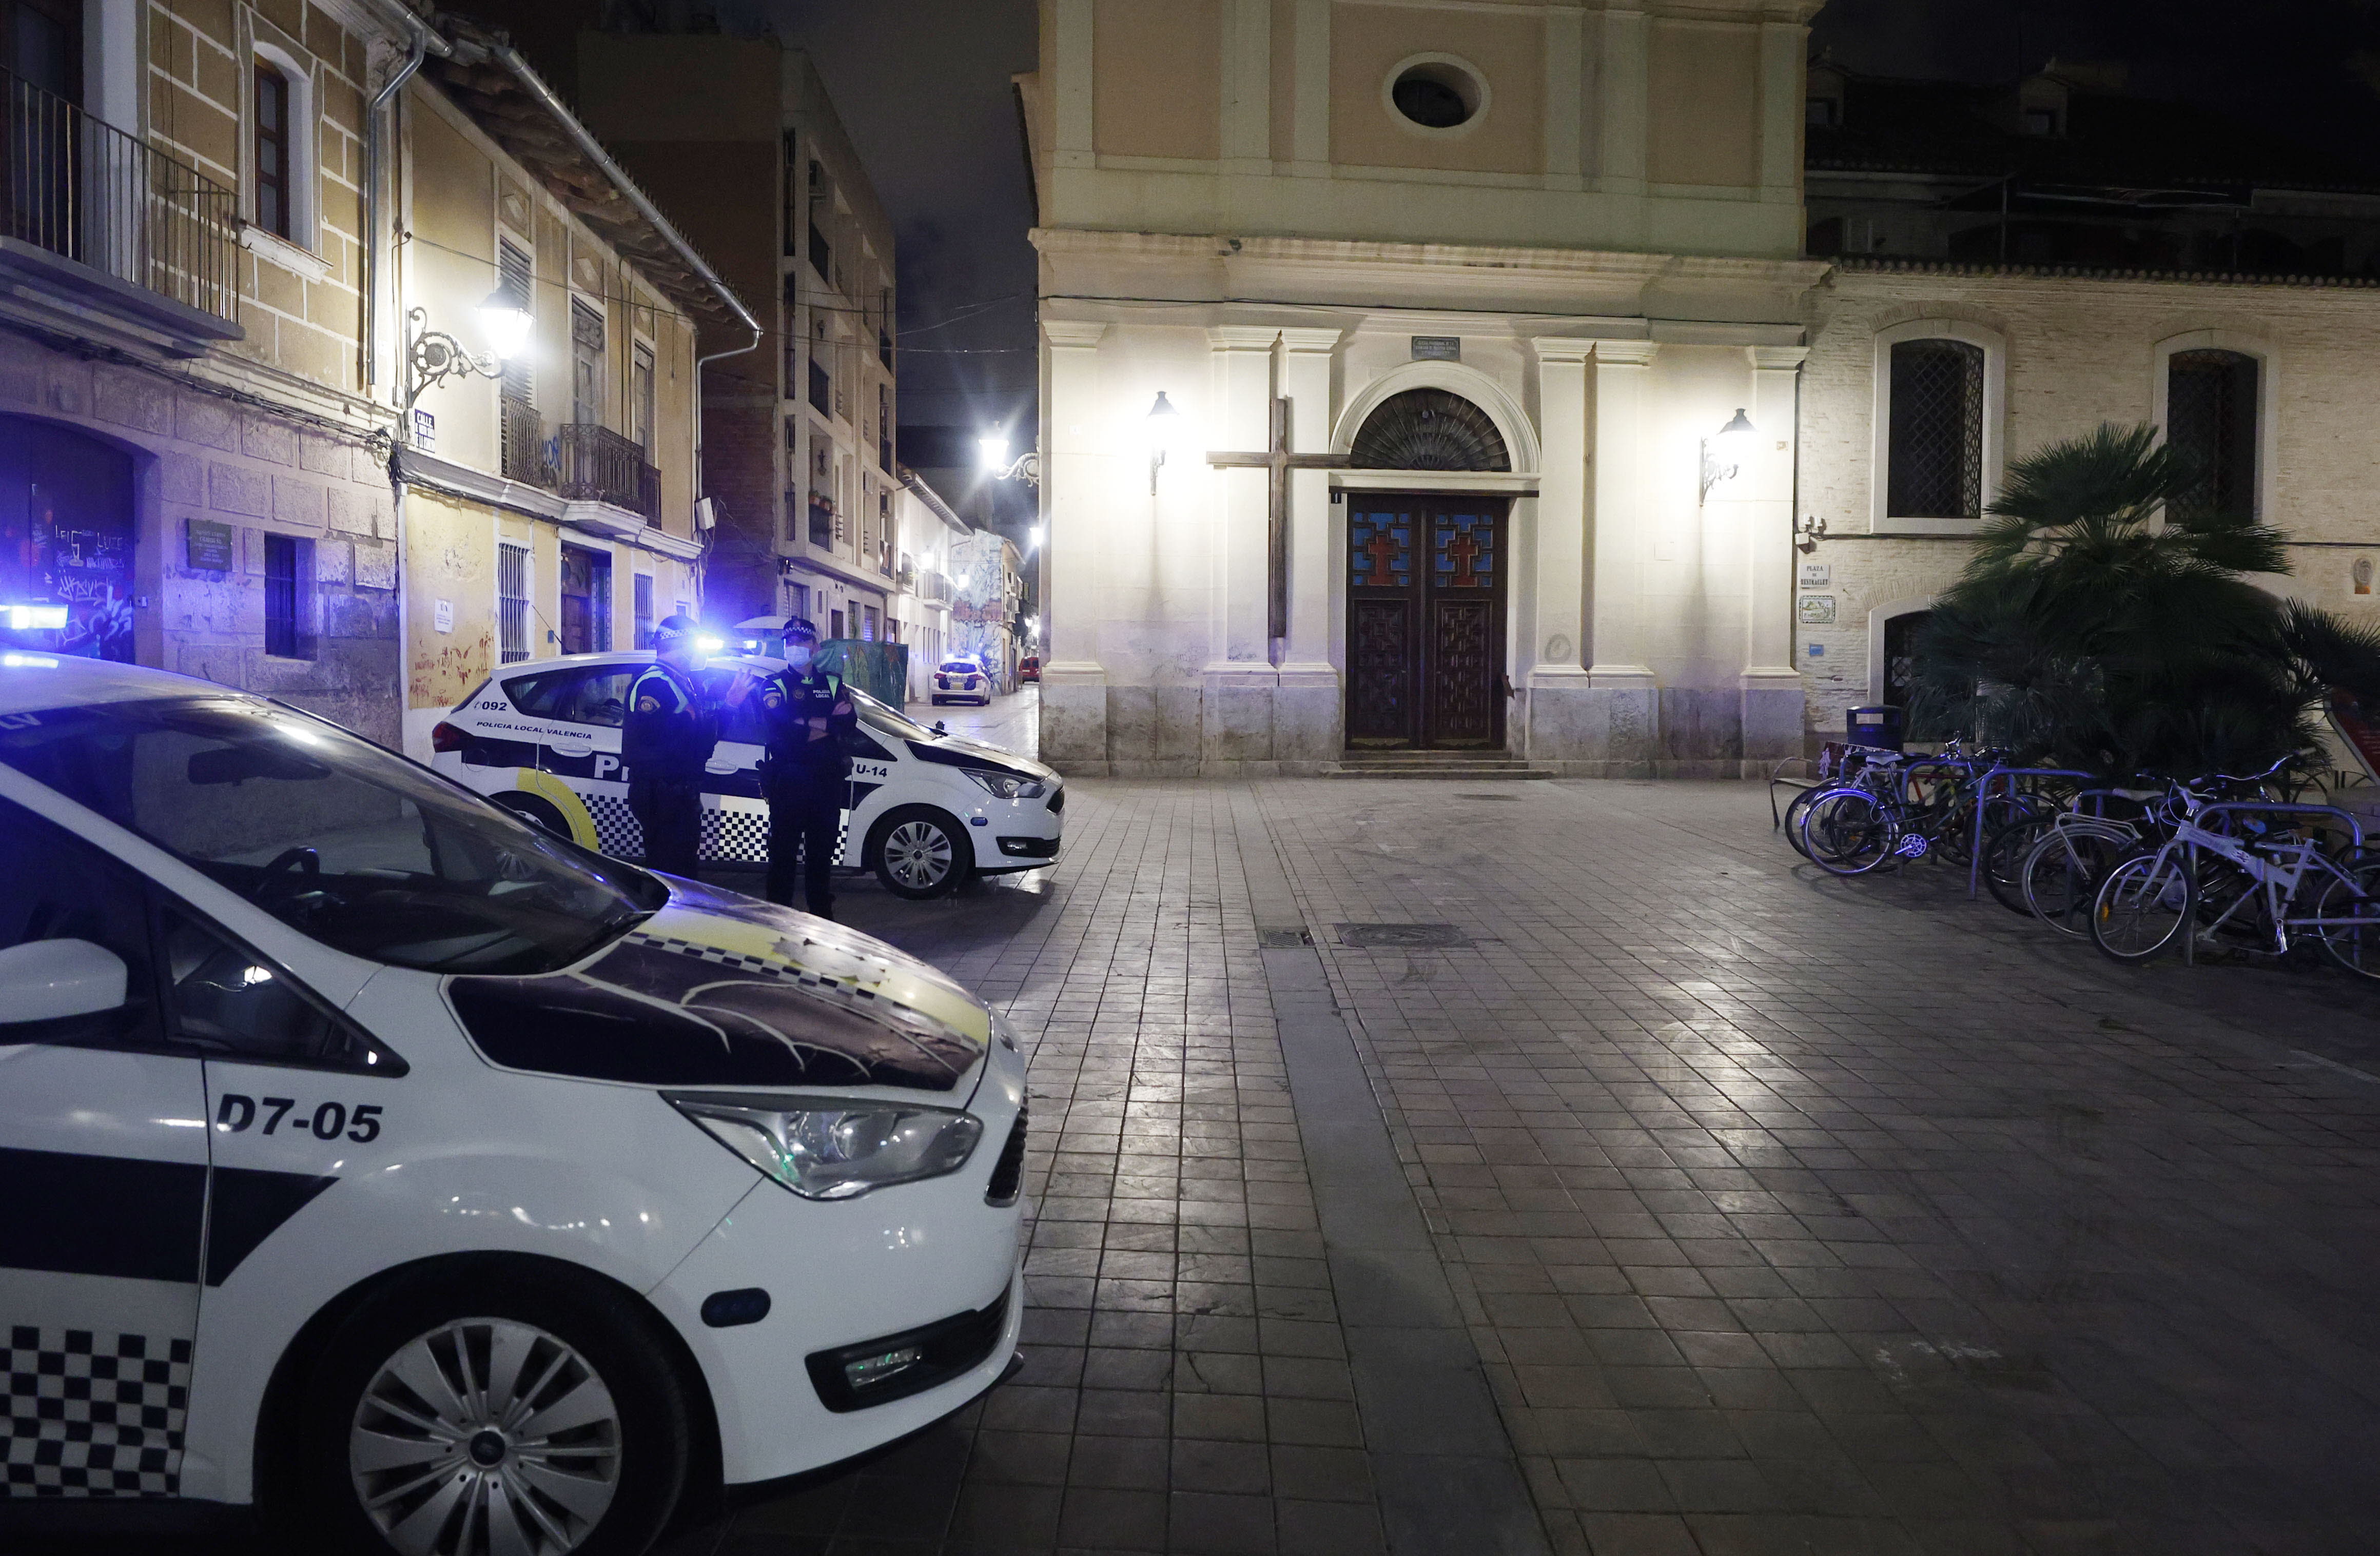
(1681, 1200)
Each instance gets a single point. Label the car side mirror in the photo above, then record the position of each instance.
(942, 728)
(49, 979)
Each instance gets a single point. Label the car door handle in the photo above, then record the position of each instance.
(722, 769)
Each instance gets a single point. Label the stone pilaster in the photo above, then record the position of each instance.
(1619, 735)
(1073, 682)
(1771, 684)
(1309, 712)
(1239, 678)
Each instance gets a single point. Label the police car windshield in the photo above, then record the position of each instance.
(341, 840)
(887, 718)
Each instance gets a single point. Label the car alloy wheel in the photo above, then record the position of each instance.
(485, 1436)
(918, 854)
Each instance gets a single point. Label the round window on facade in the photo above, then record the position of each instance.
(1437, 94)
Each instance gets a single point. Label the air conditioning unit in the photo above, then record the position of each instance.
(706, 513)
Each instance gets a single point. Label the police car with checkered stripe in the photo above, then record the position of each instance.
(927, 810)
(434, 1183)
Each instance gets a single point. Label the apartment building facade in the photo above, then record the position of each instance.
(738, 139)
(551, 492)
(193, 459)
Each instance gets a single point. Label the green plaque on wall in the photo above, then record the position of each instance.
(213, 546)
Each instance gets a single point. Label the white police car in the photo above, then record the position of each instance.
(961, 680)
(438, 1184)
(543, 739)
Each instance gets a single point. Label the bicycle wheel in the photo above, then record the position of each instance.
(2143, 905)
(1793, 814)
(2354, 896)
(1954, 833)
(1847, 832)
(2005, 852)
(2061, 875)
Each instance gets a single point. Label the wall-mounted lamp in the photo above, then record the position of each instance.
(1026, 468)
(1723, 455)
(434, 356)
(1165, 429)
(1809, 531)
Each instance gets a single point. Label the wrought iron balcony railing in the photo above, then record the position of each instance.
(600, 465)
(523, 447)
(84, 190)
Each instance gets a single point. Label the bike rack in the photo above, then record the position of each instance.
(1983, 799)
(2354, 830)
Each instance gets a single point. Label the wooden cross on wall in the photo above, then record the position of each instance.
(1277, 462)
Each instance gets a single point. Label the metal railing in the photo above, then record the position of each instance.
(600, 465)
(522, 448)
(84, 190)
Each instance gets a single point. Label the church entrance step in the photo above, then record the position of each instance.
(1434, 764)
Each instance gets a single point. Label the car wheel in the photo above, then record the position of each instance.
(919, 852)
(536, 811)
(509, 1412)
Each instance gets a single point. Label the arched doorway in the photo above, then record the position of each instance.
(1426, 577)
(65, 537)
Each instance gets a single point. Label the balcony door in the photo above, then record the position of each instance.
(40, 86)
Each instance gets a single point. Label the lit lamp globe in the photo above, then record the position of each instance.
(1735, 440)
(994, 452)
(1166, 428)
(505, 324)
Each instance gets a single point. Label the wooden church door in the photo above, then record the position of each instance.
(1426, 592)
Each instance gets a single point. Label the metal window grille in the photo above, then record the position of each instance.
(512, 603)
(284, 634)
(644, 610)
(2210, 420)
(1935, 468)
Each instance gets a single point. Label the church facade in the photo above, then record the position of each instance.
(1456, 376)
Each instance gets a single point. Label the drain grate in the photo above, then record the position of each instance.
(1370, 937)
(1499, 799)
(1283, 939)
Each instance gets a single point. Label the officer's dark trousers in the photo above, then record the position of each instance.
(805, 814)
(670, 810)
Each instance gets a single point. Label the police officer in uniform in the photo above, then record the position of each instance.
(671, 729)
(804, 774)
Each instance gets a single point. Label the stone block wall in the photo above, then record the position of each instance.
(198, 455)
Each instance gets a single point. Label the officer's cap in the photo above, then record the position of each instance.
(674, 629)
(798, 630)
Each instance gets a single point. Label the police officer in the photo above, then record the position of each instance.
(670, 732)
(805, 712)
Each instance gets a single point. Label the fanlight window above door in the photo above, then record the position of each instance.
(1429, 429)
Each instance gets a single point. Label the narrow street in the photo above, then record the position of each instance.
(1012, 723)
(1638, 1193)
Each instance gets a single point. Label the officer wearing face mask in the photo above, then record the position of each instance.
(806, 772)
(671, 729)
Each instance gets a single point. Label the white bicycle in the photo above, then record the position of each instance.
(2242, 872)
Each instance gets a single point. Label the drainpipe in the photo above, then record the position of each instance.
(424, 43)
(534, 84)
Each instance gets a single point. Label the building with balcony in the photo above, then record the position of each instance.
(192, 464)
(925, 530)
(737, 138)
(551, 494)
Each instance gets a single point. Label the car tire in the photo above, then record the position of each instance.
(621, 1460)
(537, 811)
(903, 851)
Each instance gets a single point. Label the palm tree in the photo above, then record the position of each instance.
(2105, 622)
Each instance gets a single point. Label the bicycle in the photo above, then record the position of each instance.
(2206, 877)
(1909, 810)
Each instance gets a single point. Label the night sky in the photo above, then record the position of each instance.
(923, 86)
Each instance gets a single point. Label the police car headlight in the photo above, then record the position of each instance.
(837, 1151)
(1007, 786)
